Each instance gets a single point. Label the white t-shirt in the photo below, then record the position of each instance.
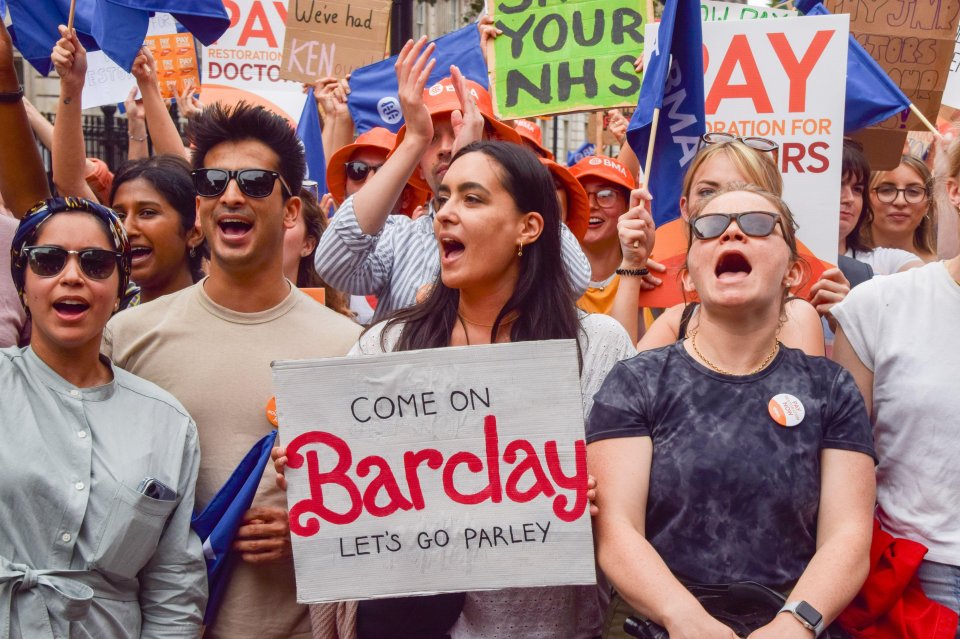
(904, 328)
(884, 261)
(573, 612)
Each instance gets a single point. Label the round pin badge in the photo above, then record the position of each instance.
(272, 412)
(786, 410)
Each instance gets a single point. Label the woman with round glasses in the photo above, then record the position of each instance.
(101, 544)
(904, 212)
(729, 456)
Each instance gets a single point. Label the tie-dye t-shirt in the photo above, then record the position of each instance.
(733, 494)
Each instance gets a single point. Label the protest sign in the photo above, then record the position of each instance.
(244, 64)
(332, 38)
(711, 11)
(176, 60)
(433, 471)
(951, 92)
(106, 82)
(561, 57)
(783, 80)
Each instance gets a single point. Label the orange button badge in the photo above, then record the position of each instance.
(272, 412)
(786, 410)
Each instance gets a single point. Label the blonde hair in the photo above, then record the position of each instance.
(924, 236)
(759, 167)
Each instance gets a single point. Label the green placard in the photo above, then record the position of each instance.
(558, 56)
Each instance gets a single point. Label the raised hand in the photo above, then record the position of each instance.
(414, 65)
(70, 60)
(468, 122)
(189, 104)
(145, 69)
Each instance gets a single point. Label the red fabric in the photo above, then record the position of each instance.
(891, 604)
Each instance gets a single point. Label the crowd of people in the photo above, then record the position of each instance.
(145, 303)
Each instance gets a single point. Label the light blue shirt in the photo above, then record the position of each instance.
(83, 553)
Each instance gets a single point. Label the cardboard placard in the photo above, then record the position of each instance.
(433, 471)
(176, 60)
(333, 37)
(576, 55)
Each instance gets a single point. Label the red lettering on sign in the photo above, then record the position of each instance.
(250, 29)
(306, 514)
(738, 54)
(799, 70)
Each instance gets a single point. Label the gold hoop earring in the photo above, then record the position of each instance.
(520, 250)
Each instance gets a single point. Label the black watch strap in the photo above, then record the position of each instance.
(11, 96)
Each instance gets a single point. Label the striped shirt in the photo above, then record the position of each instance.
(396, 262)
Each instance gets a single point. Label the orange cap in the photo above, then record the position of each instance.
(532, 135)
(377, 138)
(442, 98)
(600, 166)
(578, 206)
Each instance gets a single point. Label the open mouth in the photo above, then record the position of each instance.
(451, 248)
(732, 265)
(140, 253)
(70, 309)
(595, 221)
(234, 227)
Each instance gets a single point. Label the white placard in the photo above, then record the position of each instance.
(712, 10)
(436, 471)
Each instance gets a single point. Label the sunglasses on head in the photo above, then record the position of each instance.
(358, 171)
(757, 144)
(752, 223)
(256, 183)
(48, 261)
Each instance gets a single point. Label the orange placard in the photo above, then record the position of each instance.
(176, 59)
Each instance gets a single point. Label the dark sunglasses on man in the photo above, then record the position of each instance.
(358, 171)
(48, 261)
(752, 223)
(257, 183)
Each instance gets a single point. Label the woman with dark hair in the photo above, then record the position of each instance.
(728, 456)
(102, 544)
(904, 210)
(156, 200)
(857, 213)
(299, 247)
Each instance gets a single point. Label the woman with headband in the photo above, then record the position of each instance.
(102, 545)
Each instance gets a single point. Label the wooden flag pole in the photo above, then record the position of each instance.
(597, 133)
(73, 10)
(926, 122)
(646, 167)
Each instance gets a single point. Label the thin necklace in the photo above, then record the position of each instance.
(464, 320)
(763, 364)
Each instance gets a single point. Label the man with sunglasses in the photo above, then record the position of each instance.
(211, 345)
(366, 250)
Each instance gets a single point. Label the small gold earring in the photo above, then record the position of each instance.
(520, 250)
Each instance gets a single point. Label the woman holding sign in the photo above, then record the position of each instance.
(728, 456)
(501, 279)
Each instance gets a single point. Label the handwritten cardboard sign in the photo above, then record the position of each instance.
(436, 471)
(176, 60)
(333, 37)
(572, 56)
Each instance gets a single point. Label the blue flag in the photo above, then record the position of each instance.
(217, 524)
(672, 82)
(871, 95)
(585, 150)
(117, 27)
(308, 130)
(373, 89)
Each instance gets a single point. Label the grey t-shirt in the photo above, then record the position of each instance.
(733, 494)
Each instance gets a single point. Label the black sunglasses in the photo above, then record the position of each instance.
(256, 183)
(753, 223)
(47, 261)
(358, 171)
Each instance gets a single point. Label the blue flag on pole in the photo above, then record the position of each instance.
(117, 27)
(871, 95)
(217, 524)
(584, 150)
(373, 89)
(308, 130)
(672, 82)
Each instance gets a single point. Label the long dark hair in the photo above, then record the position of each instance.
(856, 166)
(315, 222)
(543, 300)
(169, 175)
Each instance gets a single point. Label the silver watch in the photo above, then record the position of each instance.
(806, 614)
